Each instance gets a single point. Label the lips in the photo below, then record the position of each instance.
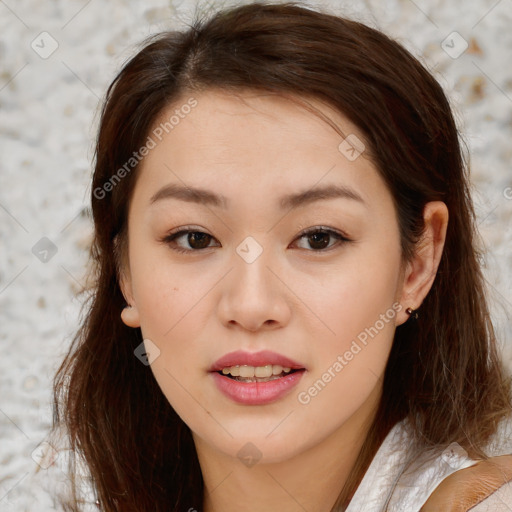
(256, 393)
(261, 358)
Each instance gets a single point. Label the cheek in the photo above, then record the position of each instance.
(358, 312)
(167, 301)
(352, 296)
(173, 310)
(165, 293)
(175, 305)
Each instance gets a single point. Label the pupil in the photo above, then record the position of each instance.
(198, 240)
(319, 240)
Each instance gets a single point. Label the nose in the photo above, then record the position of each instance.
(253, 297)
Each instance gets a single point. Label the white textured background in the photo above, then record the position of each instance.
(48, 116)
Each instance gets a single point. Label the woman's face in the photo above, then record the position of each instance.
(292, 247)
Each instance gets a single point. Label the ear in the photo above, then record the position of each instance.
(130, 314)
(420, 272)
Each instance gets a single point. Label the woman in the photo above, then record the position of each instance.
(289, 312)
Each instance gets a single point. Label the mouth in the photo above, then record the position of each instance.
(246, 373)
(262, 366)
(256, 379)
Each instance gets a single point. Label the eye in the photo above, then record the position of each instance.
(318, 238)
(188, 240)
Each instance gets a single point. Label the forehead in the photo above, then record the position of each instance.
(254, 142)
(219, 114)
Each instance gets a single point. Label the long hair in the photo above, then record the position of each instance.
(443, 374)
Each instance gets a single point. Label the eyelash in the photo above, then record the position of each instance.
(170, 238)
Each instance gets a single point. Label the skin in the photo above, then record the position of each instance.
(305, 303)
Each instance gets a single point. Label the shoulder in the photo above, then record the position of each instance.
(499, 501)
(485, 486)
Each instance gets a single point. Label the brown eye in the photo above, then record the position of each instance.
(198, 240)
(320, 238)
(188, 240)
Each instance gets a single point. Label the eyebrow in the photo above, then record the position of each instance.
(189, 194)
(289, 201)
(311, 195)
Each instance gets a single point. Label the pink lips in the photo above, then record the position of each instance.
(256, 393)
(254, 359)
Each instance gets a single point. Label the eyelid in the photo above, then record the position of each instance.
(326, 229)
(186, 228)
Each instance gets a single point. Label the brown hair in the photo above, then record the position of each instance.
(443, 372)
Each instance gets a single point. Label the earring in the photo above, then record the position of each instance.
(412, 313)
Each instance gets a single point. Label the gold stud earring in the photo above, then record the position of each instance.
(412, 313)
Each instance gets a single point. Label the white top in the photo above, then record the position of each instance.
(395, 482)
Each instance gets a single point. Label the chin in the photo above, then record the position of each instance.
(259, 448)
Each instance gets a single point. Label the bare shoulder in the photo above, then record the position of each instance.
(486, 486)
(499, 501)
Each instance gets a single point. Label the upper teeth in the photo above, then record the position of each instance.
(255, 371)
